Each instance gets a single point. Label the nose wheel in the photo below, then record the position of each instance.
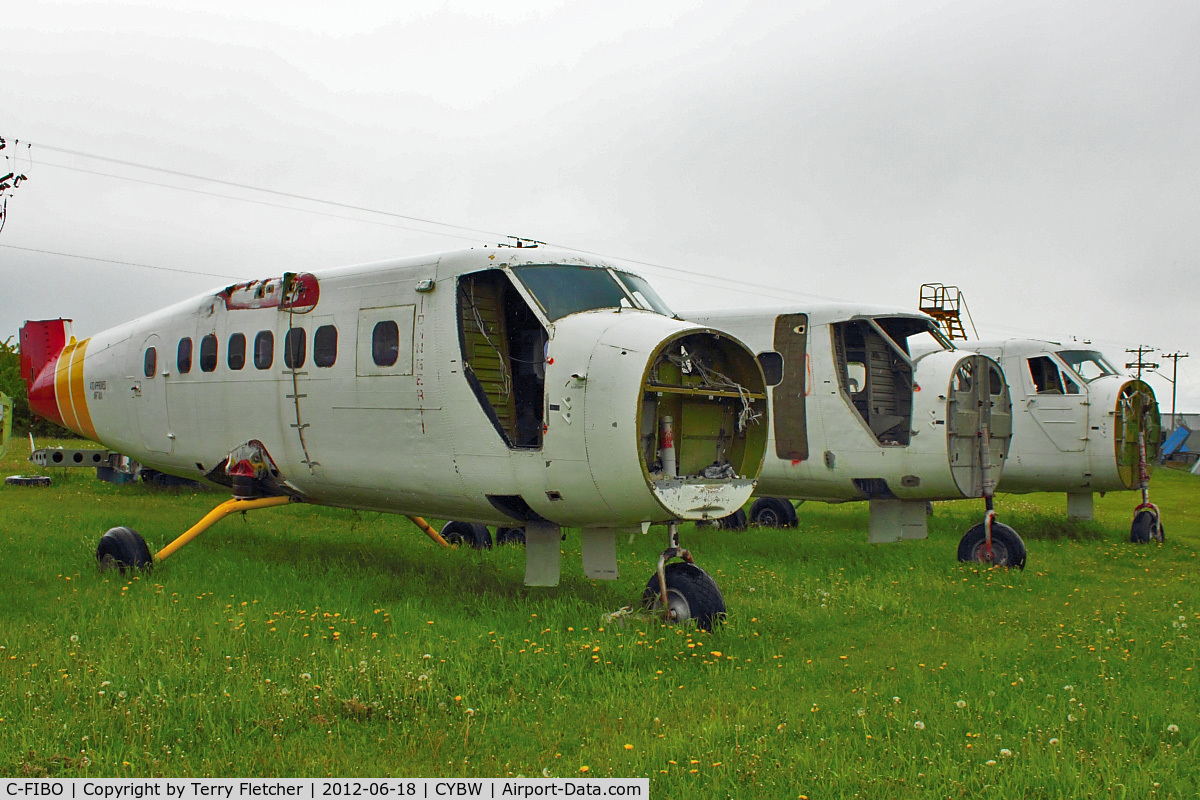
(1003, 548)
(681, 591)
(1147, 525)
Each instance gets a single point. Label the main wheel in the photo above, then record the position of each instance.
(773, 512)
(510, 536)
(1007, 548)
(691, 594)
(1146, 526)
(122, 549)
(468, 533)
(734, 522)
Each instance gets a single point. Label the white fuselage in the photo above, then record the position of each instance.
(1069, 432)
(415, 433)
(847, 451)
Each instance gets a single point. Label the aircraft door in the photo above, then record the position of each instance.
(978, 397)
(789, 395)
(149, 388)
(1057, 403)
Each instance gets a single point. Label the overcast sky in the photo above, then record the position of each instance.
(1044, 157)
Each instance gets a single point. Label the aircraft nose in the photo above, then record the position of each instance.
(700, 429)
(1138, 425)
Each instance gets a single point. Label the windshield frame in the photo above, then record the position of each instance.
(554, 304)
(1094, 356)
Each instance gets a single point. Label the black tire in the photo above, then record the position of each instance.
(469, 533)
(1007, 548)
(773, 512)
(734, 522)
(1146, 526)
(692, 594)
(27, 480)
(510, 536)
(122, 549)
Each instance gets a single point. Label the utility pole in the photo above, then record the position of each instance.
(1140, 365)
(1174, 374)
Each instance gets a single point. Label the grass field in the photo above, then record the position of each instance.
(306, 642)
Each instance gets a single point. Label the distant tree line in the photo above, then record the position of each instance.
(11, 384)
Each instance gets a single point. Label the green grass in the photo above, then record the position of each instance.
(306, 641)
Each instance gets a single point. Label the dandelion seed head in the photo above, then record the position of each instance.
(895, 699)
(1172, 728)
(991, 763)
(74, 638)
(1005, 752)
(1070, 717)
(305, 676)
(961, 704)
(1054, 741)
(1068, 688)
(919, 725)
(122, 694)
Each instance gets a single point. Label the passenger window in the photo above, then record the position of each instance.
(236, 357)
(208, 352)
(264, 350)
(325, 346)
(294, 348)
(150, 362)
(772, 367)
(996, 382)
(385, 343)
(183, 356)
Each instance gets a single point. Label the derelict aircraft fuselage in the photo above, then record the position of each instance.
(511, 386)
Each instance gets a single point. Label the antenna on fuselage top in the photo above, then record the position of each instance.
(521, 241)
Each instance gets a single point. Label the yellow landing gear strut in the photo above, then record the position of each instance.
(124, 548)
(215, 516)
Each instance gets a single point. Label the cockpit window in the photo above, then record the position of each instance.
(645, 295)
(1048, 379)
(561, 290)
(914, 335)
(1088, 364)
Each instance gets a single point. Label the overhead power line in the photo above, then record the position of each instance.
(757, 289)
(192, 176)
(122, 263)
(686, 276)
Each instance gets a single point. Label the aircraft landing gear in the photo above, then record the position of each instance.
(991, 542)
(681, 591)
(122, 549)
(1147, 525)
(773, 512)
(1147, 522)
